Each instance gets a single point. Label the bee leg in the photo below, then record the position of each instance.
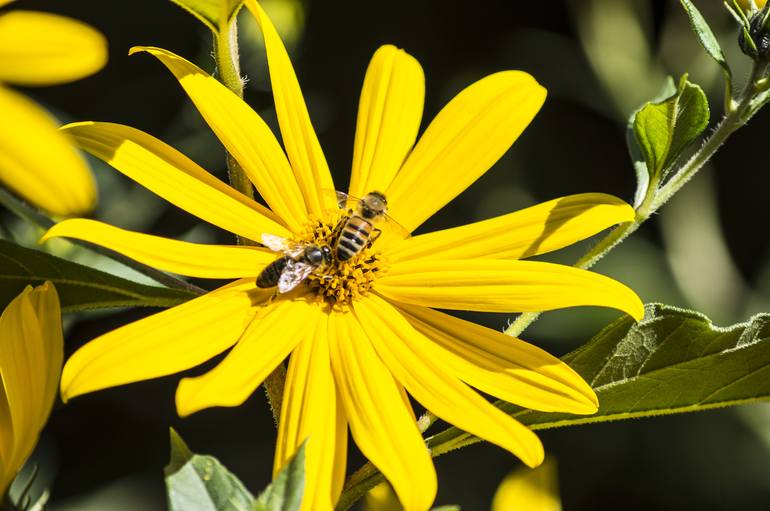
(338, 228)
(375, 235)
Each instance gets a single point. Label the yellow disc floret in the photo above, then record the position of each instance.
(343, 281)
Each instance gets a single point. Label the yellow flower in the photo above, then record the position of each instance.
(31, 353)
(36, 160)
(524, 489)
(529, 490)
(746, 4)
(365, 337)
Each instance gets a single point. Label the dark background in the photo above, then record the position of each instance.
(599, 59)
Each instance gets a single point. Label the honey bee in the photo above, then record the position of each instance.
(298, 261)
(357, 230)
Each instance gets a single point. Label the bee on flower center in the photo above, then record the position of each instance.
(356, 230)
(341, 282)
(299, 260)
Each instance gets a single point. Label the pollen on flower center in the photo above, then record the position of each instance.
(342, 282)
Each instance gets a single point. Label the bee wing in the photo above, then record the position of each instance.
(396, 228)
(279, 244)
(274, 243)
(294, 273)
(344, 200)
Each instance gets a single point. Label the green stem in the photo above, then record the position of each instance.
(31, 215)
(229, 73)
(751, 99)
(656, 197)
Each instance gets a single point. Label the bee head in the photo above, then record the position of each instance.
(373, 205)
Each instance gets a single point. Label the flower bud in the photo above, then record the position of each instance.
(746, 4)
(757, 44)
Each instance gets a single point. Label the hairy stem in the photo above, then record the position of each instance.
(656, 197)
(229, 73)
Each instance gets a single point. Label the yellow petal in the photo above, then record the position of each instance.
(191, 259)
(464, 140)
(389, 115)
(382, 426)
(399, 347)
(7, 472)
(299, 138)
(531, 231)
(164, 343)
(497, 364)
(312, 412)
(45, 302)
(165, 171)
(38, 48)
(529, 489)
(244, 134)
(31, 352)
(38, 162)
(269, 338)
(381, 498)
(503, 286)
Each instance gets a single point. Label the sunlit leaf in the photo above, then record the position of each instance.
(200, 483)
(674, 361)
(79, 287)
(663, 129)
(285, 492)
(208, 11)
(635, 152)
(704, 35)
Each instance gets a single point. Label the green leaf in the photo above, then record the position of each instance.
(200, 483)
(446, 508)
(208, 11)
(674, 361)
(663, 129)
(285, 492)
(79, 287)
(705, 36)
(637, 158)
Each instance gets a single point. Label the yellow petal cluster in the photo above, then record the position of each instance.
(353, 367)
(36, 160)
(31, 353)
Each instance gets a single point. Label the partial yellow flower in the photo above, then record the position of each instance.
(31, 353)
(368, 334)
(746, 4)
(524, 489)
(381, 498)
(36, 160)
(529, 490)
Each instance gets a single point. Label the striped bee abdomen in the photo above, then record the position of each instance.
(353, 237)
(270, 275)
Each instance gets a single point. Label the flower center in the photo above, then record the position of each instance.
(341, 282)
